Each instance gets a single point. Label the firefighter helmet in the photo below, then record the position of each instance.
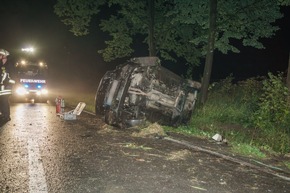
(4, 52)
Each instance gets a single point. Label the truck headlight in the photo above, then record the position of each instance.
(41, 92)
(44, 91)
(21, 91)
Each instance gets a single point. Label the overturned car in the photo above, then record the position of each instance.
(142, 90)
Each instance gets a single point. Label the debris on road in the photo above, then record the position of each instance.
(217, 137)
(179, 155)
(220, 139)
(154, 130)
(72, 115)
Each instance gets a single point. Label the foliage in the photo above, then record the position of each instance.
(225, 105)
(224, 86)
(273, 115)
(237, 20)
(128, 25)
(77, 14)
(180, 26)
(284, 2)
(251, 91)
(255, 111)
(131, 20)
(287, 164)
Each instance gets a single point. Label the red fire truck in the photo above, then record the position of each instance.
(31, 80)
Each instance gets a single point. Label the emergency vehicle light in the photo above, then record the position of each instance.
(39, 86)
(29, 49)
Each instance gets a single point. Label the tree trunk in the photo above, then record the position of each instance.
(288, 74)
(210, 50)
(151, 10)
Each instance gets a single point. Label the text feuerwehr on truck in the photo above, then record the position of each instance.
(31, 80)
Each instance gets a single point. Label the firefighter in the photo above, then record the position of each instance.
(5, 90)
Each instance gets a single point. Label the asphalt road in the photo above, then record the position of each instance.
(41, 153)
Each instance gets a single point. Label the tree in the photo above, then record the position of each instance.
(179, 26)
(77, 14)
(246, 21)
(284, 2)
(210, 50)
(288, 74)
(130, 22)
(151, 13)
(174, 29)
(237, 23)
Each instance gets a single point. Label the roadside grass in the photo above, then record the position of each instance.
(234, 110)
(72, 98)
(287, 164)
(248, 150)
(239, 113)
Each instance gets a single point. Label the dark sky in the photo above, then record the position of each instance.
(70, 59)
(251, 62)
(32, 22)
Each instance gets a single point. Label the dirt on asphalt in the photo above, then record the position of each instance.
(171, 162)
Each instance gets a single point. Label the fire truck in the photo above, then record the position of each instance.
(30, 80)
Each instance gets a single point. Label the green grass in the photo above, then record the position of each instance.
(72, 98)
(287, 164)
(190, 131)
(248, 150)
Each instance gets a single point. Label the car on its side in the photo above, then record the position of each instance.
(143, 90)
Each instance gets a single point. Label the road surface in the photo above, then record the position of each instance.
(41, 153)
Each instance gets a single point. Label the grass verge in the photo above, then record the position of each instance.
(72, 98)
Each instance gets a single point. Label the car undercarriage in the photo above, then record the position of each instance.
(142, 90)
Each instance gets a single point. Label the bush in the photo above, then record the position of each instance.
(254, 111)
(273, 116)
(230, 103)
(250, 91)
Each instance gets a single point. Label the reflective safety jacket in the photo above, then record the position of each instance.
(4, 82)
(4, 91)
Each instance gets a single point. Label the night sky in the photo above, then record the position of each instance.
(252, 62)
(73, 59)
(70, 59)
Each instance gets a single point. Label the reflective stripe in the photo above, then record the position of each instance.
(5, 92)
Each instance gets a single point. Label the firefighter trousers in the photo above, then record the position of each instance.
(4, 105)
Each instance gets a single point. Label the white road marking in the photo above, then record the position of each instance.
(37, 181)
